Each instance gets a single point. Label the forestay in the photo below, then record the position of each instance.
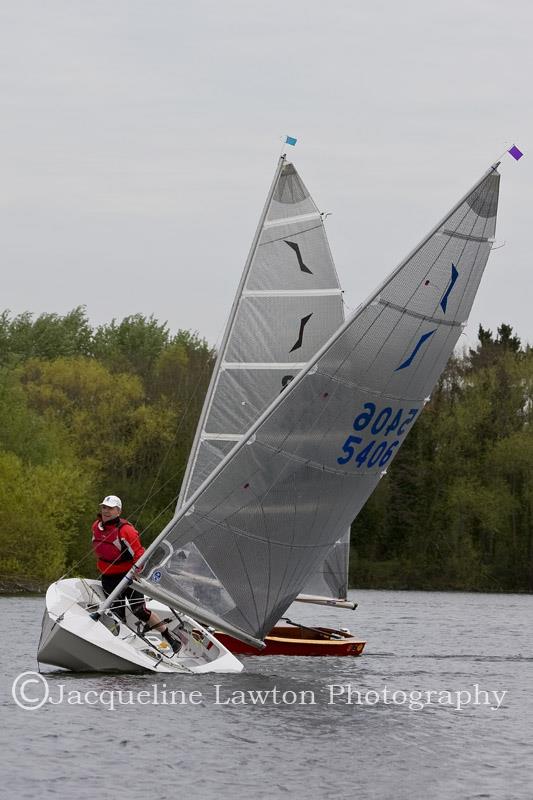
(273, 508)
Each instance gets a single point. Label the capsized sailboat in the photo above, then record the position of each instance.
(287, 305)
(242, 546)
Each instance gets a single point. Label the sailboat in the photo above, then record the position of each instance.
(288, 304)
(243, 543)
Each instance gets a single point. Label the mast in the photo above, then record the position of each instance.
(227, 333)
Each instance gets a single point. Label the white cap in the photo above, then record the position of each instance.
(112, 501)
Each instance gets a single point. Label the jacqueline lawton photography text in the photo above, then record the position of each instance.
(31, 691)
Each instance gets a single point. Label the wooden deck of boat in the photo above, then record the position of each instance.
(284, 640)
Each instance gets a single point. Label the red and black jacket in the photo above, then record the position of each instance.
(116, 545)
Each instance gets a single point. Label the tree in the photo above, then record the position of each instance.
(48, 336)
(132, 345)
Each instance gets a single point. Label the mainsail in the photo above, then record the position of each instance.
(288, 304)
(272, 509)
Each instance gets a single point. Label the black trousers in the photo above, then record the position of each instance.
(135, 599)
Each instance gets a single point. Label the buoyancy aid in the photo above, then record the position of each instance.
(116, 545)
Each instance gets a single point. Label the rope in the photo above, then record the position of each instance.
(137, 512)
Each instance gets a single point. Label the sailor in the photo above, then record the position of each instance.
(117, 547)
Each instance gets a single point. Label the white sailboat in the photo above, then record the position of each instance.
(71, 637)
(247, 538)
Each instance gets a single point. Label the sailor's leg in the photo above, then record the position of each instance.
(138, 606)
(110, 582)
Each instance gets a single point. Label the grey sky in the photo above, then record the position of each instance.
(138, 141)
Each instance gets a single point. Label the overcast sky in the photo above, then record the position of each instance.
(138, 141)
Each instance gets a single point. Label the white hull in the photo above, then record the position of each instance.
(71, 639)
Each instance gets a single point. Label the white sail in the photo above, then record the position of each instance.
(273, 508)
(288, 304)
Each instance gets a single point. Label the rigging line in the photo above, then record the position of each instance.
(141, 534)
(151, 493)
(171, 445)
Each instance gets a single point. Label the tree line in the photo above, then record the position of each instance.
(455, 510)
(85, 411)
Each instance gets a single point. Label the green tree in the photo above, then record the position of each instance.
(39, 514)
(132, 345)
(48, 336)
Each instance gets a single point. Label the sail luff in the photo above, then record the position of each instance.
(225, 338)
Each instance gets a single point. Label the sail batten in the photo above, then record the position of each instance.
(290, 480)
(273, 223)
(229, 365)
(292, 293)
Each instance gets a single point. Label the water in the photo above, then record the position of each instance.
(416, 641)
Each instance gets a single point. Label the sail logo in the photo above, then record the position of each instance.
(156, 577)
(408, 361)
(300, 339)
(296, 248)
(444, 301)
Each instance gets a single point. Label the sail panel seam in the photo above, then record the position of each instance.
(312, 464)
(417, 315)
(226, 527)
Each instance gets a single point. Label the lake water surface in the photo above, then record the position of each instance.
(301, 737)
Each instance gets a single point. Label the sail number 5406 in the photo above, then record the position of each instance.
(376, 453)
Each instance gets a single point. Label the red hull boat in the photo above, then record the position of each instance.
(298, 641)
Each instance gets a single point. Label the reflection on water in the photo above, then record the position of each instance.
(246, 735)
